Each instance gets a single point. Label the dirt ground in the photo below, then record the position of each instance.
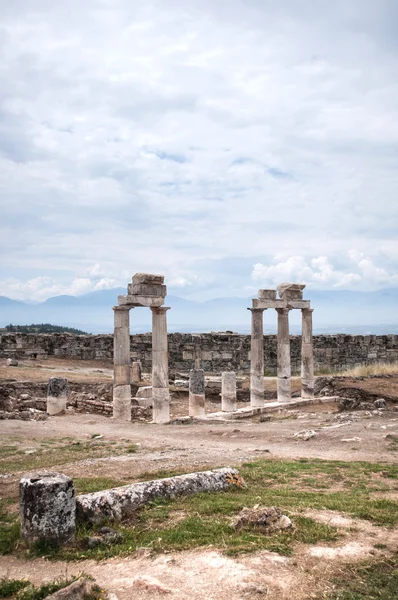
(208, 574)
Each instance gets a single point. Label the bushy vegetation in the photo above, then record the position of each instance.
(379, 368)
(43, 328)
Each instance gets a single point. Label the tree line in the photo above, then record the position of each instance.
(43, 328)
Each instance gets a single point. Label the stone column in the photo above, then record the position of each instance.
(257, 358)
(136, 372)
(228, 391)
(121, 364)
(57, 395)
(307, 355)
(196, 393)
(160, 366)
(284, 368)
(47, 508)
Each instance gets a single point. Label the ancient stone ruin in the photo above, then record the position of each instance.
(146, 290)
(290, 297)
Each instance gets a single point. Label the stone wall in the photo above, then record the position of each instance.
(219, 351)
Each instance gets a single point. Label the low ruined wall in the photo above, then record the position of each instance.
(219, 351)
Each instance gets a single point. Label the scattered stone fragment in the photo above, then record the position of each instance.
(11, 362)
(266, 519)
(150, 584)
(380, 403)
(353, 439)
(78, 590)
(105, 535)
(305, 435)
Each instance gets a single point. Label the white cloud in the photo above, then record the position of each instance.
(321, 273)
(145, 137)
(41, 288)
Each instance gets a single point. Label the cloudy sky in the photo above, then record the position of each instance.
(230, 145)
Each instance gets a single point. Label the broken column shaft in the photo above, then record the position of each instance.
(307, 355)
(47, 508)
(57, 395)
(284, 367)
(160, 369)
(196, 393)
(228, 391)
(257, 358)
(121, 361)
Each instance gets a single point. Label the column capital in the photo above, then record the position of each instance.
(257, 309)
(283, 311)
(158, 310)
(122, 308)
(307, 310)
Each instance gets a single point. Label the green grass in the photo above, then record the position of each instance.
(87, 485)
(22, 589)
(10, 587)
(376, 580)
(50, 453)
(9, 527)
(205, 519)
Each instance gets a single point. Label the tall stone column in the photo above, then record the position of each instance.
(121, 364)
(257, 358)
(307, 355)
(160, 366)
(284, 368)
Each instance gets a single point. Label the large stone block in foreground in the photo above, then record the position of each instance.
(47, 508)
(120, 502)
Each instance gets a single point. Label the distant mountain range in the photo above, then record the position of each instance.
(336, 311)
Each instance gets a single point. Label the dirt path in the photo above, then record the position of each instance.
(208, 574)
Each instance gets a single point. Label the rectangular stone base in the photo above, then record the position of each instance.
(246, 413)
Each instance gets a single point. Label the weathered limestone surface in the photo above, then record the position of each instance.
(257, 358)
(290, 291)
(27, 400)
(160, 367)
(307, 355)
(228, 391)
(196, 393)
(136, 372)
(219, 351)
(147, 279)
(121, 365)
(47, 507)
(57, 395)
(78, 590)
(284, 365)
(119, 502)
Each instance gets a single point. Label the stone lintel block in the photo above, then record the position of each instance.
(264, 304)
(147, 301)
(267, 294)
(148, 278)
(298, 304)
(290, 291)
(145, 289)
